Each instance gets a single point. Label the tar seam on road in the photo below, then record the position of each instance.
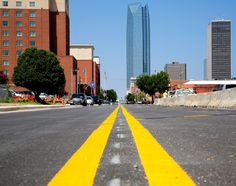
(81, 168)
(159, 166)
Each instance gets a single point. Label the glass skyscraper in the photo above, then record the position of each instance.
(137, 41)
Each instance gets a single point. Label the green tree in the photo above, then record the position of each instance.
(140, 96)
(130, 97)
(153, 83)
(39, 71)
(111, 95)
(101, 93)
(163, 81)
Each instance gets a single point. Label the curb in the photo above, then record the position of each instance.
(5, 108)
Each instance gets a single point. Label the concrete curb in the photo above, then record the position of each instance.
(5, 107)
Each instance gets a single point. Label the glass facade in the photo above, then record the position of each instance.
(137, 41)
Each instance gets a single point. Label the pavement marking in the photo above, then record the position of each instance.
(159, 166)
(115, 159)
(196, 116)
(114, 182)
(116, 145)
(81, 168)
(121, 136)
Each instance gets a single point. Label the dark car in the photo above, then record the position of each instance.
(97, 100)
(78, 99)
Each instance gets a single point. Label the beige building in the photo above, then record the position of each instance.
(89, 68)
(176, 71)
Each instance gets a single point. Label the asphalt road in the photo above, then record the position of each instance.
(202, 141)
(35, 145)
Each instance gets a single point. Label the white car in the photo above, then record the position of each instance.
(90, 100)
(43, 96)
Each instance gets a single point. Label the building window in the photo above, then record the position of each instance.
(32, 24)
(5, 23)
(32, 14)
(19, 23)
(18, 14)
(18, 53)
(5, 53)
(5, 13)
(6, 72)
(32, 43)
(19, 43)
(5, 43)
(5, 3)
(32, 34)
(19, 33)
(5, 63)
(18, 3)
(5, 33)
(32, 4)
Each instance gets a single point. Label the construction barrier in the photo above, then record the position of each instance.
(219, 99)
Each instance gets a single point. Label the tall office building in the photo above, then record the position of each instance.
(36, 23)
(176, 71)
(219, 50)
(137, 41)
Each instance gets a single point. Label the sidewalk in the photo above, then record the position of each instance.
(12, 107)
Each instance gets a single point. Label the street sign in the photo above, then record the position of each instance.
(92, 85)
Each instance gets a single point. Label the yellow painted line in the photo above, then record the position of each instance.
(81, 168)
(197, 116)
(160, 168)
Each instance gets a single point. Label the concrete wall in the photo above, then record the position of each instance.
(218, 99)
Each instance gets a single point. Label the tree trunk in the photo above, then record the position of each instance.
(38, 99)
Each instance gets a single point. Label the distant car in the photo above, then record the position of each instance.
(105, 102)
(182, 92)
(78, 99)
(130, 102)
(97, 100)
(43, 96)
(90, 100)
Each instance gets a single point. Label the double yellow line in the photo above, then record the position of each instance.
(159, 167)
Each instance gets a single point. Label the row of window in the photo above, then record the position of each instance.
(18, 33)
(18, 3)
(18, 43)
(6, 53)
(19, 23)
(5, 13)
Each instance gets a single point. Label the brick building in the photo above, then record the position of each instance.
(89, 68)
(36, 23)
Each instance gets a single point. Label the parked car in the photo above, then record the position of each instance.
(105, 102)
(97, 100)
(182, 92)
(90, 100)
(43, 96)
(78, 99)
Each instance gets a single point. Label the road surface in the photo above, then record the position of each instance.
(111, 145)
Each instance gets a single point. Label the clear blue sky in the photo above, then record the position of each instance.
(178, 33)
